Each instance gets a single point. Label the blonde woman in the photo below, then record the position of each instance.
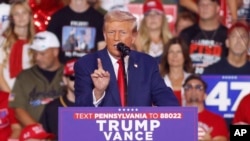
(154, 30)
(14, 51)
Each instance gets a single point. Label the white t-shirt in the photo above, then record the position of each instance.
(26, 62)
(169, 84)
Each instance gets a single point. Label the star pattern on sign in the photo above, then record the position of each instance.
(232, 77)
(127, 109)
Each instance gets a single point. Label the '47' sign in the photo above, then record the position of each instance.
(225, 92)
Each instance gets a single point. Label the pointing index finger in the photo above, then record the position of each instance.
(99, 63)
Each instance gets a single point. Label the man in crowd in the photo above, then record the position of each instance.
(97, 74)
(206, 39)
(211, 127)
(39, 85)
(236, 63)
(49, 118)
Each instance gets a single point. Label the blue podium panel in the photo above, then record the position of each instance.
(225, 92)
(128, 124)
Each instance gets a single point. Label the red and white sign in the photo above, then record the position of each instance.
(170, 11)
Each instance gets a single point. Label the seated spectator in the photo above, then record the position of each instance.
(236, 61)
(41, 84)
(185, 19)
(211, 127)
(35, 132)
(14, 50)
(153, 32)
(176, 66)
(49, 118)
(9, 126)
(242, 114)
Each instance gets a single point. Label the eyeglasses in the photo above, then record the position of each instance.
(71, 77)
(188, 87)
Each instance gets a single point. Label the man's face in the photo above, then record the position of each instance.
(115, 32)
(208, 9)
(46, 59)
(194, 92)
(238, 41)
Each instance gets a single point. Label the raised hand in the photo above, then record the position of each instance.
(100, 79)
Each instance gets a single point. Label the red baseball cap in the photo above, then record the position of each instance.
(238, 25)
(35, 131)
(69, 68)
(152, 5)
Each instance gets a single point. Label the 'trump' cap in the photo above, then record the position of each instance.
(44, 40)
(69, 68)
(152, 5)
(35, 131)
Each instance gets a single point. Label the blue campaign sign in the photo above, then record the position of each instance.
(225, 92)
(128, 124)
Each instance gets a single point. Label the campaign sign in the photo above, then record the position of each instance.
(128, 124)
(225, 93)
(170, 11)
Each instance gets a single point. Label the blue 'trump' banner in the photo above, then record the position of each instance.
(128, 124)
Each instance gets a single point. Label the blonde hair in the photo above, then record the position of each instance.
(120, 16)
(143, 40)
(10, 34)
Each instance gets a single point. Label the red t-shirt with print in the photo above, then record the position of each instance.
(210, 121)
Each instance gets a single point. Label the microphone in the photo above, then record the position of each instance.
(125, 50)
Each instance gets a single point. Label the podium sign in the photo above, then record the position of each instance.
(128, 124)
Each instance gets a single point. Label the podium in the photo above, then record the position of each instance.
(128, 124)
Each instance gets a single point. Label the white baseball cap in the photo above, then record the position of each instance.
(44, 40)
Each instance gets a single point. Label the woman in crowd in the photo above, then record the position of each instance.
(154, 30)
(14, 51)
(176, 66)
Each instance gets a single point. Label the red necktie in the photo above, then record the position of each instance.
(121, 83)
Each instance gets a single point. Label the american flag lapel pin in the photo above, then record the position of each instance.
(135, 65)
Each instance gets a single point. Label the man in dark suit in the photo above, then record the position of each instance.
(96, 74)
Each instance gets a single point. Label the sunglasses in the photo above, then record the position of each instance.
(189, 87)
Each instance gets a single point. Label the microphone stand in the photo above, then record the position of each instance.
(125, 79)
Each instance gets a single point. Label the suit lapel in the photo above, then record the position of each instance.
(132, 78)
(108, 66)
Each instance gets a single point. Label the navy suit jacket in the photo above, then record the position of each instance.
(145, 85)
